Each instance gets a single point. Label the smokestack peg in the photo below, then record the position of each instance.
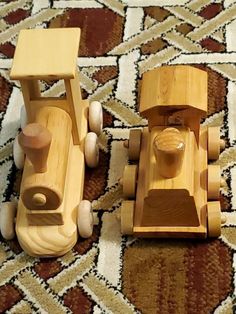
(169, 149)
(35, 140)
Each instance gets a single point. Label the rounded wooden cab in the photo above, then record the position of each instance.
(45, 190)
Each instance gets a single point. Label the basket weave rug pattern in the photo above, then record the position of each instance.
(109, 273)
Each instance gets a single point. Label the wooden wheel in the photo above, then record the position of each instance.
(214, 179)
(95, 117)
(7, 218)
(130, 180)
(91, 150)
(134, 144)
(23, 117)
(18, 154)
(215, 144)
(213, 219)
(127, 217)
(85, 219)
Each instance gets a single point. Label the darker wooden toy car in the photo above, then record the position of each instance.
(173, 191)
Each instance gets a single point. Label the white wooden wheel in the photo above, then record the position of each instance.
(213, 219)
(85, 219)
(214, 179)
(214, 143)
(18, 154)
(134, 144)
(127, 217)
(129, 180)
(7, 218)
(23, 117)
(95, 117)
(91, 150)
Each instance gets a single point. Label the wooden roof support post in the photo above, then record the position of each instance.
(76, 106)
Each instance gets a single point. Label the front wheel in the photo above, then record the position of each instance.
(18, 154)
(7, 219)
(127, 217)
(215, 143)
(85, 219)
(134, 144)
(213, 219)
(214, 179)
(91, 150)
(129, 180)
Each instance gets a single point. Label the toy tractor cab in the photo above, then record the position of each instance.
(173, 192)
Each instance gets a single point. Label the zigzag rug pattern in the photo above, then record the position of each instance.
(109, 273)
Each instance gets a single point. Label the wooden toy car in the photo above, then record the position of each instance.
(56, 143)
(173, 191)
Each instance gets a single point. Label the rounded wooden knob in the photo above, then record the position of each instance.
(35, 140)
(39, 199)
(169, 149)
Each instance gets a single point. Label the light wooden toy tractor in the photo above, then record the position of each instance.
(56, 143)
(173, 191)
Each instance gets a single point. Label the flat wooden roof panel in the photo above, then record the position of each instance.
(174, 86)
(45, 53)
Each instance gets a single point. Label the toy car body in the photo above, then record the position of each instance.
(173, 191)
(56, 142)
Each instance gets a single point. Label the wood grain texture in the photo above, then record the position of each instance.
(175, 86)
(55, 240)
(195, 224)
(52, 182)
(169, 148)
(52, 53)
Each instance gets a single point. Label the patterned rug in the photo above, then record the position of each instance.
(109, 273)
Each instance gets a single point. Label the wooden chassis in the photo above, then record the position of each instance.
(47, 239)
(200, 195)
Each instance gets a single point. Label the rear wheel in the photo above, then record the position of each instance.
(91, 150)
(95, 117)
(213, 219)
(127, 217)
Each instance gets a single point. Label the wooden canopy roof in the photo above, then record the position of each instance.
(173, 88)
